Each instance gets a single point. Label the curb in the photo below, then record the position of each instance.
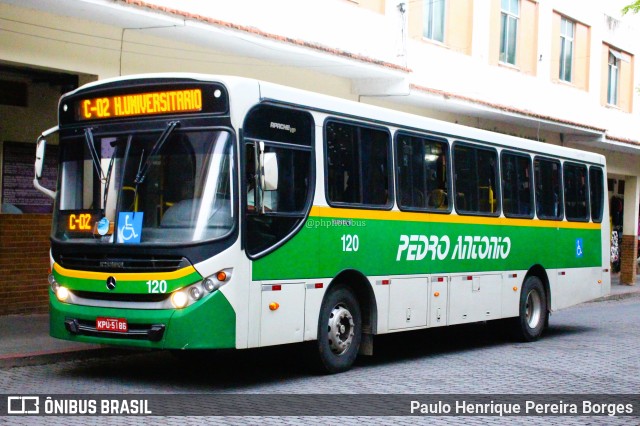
(50, 357)
(619, 296)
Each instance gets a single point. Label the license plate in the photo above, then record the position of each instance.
(112, 324)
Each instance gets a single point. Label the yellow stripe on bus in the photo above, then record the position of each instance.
(124, 276)
(395, 215)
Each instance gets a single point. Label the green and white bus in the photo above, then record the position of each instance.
(205, 212)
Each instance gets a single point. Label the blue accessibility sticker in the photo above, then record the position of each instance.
(130, 227)
(579, 247)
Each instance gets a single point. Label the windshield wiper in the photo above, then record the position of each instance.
(142, 172)
(88, 138)
(115, 144)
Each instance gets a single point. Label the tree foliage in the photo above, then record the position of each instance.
(633, 8)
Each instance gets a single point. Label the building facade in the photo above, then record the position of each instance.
(558, 71)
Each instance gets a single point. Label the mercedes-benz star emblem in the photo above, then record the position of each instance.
(111, 283)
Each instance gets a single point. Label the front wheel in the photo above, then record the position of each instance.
(339, 331)
(528, 326)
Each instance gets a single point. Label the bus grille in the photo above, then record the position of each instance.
(103, 263)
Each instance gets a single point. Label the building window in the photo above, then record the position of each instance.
(510, 11)
(433, 27)
(614, 72)
(567, 30)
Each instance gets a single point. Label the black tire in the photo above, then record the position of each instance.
(339, 331)
(534, 314)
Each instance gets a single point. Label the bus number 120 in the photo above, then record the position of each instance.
(155, 286)
(350, 242)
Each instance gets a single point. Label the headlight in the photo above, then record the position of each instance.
(179, 299)
(62, 293)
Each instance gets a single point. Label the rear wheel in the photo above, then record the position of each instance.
(530, 323)
(339, 331)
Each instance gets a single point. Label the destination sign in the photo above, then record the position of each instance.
(137, 104)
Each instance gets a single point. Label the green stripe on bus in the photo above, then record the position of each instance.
(325, 246)
(74, 280)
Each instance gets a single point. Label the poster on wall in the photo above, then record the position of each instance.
(18, 192)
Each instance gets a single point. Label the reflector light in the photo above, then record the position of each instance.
(274, 306)
(209, 285)
(436, 294)
(195, 293)
(385, 282)
(440, 279)
(276, 287)
(319, 285)
(515, 288)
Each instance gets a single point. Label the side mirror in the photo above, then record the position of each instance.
(40, 150)
(269, 171)
(38, 166)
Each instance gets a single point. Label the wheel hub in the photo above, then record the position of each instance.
(533, 309)
(341, 330)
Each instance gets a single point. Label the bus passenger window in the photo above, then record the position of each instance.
(596, 193)
(475, 177)
(575, 192)
(517, 196)
(423, 177)
(548, 190)
(358, 165)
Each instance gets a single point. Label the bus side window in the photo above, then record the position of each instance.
(517, 196)
(596, 193)
(358, 164)
(575, 192)
(475, 178)
(548, 192)
(287, 133)
(423, 176)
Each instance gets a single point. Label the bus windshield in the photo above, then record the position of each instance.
(161, 187)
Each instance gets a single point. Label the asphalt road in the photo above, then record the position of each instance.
(589, 349)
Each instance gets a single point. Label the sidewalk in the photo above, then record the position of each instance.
(25, 340)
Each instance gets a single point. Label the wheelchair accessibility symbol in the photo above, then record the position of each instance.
(130, 227)
(579, 247)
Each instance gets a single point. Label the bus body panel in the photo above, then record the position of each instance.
(425, 269)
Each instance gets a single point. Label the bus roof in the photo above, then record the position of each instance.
(363, 112)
